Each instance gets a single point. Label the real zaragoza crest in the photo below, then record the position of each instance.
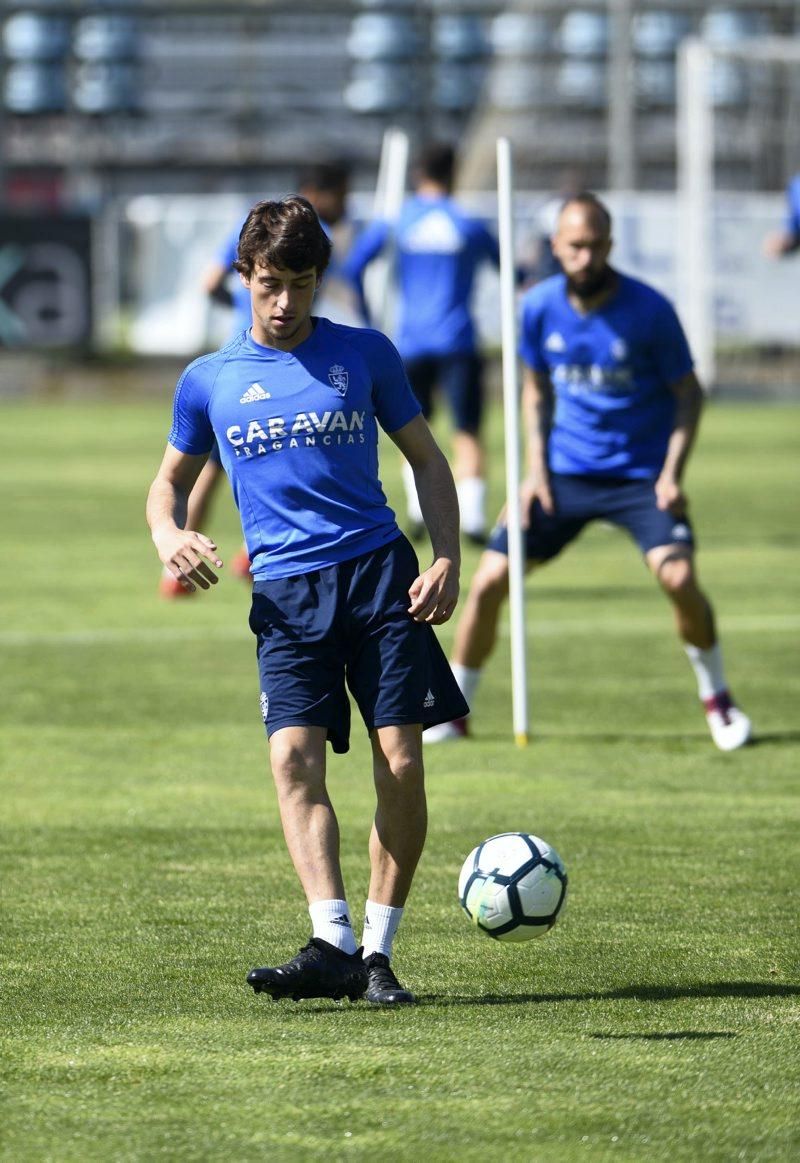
(338, 378)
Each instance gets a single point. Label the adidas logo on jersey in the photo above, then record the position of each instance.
(253, 393)
(429, 700)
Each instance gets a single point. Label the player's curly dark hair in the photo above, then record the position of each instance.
(285, 234)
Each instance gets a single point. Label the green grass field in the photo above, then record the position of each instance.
(143, 871)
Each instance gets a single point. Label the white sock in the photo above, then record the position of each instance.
(707, 666)
(412, 500)
(471, 497)
(380, 926)
(468, 678)
(331, 921)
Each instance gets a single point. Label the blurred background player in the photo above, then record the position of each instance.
(326, 186)
(787, 240)
(437, 250)
(611, 408)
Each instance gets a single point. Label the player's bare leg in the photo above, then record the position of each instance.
(401, 818)
(673, 566)
(395, 846)
(329, 965)
(310, 827)
(476, 635)
(468, 470)
(476, 632)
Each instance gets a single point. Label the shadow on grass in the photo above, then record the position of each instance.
(310, 1007)
(628, 992)
(775, 737)
(784, 738)
(673, 1036)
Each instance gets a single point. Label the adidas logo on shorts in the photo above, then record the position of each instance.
(253, 393)
(429, 700)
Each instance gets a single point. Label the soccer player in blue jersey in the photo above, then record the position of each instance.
(787, 240)
(612, 406)
(339, 600)
(325, 184)
(438, 249)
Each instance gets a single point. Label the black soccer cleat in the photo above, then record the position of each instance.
(318, 970)
(383, 988)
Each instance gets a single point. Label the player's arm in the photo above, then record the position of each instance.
(435, 592)
(688, 408)
(366, 247)
(537, 417)
(184, 552)
(215, 284)
(786, 240)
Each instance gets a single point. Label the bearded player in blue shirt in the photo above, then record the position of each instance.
(437, 251)
(612, 406)
(339, 601)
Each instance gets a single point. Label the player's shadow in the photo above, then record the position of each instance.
(781, 738)
(671, 1036)
(741, 989)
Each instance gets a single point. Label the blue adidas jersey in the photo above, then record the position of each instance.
(298, 437)
(611, 372)
(438, 251)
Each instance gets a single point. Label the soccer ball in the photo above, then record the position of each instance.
(513, 887)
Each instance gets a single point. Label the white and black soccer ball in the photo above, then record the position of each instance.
(513, 887)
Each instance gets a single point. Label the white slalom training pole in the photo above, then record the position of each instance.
(390, 190)
(511, 410)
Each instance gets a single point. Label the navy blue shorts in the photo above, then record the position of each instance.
(348, 626)
(631, 504)
(459, 376)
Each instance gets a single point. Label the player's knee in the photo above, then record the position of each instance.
(677, 577)
(490, 584)
(293, 769)
(399, 774)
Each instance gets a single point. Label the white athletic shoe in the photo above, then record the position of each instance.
(443, 732)
(730, 728)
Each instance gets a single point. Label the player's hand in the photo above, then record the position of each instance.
(535, 487)
(532, 488)
(774, 245)
(670, 497)
(434, 593)
(189, 556)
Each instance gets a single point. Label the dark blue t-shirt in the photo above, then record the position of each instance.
(611, 372)
(438, 251)
(298, 437)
